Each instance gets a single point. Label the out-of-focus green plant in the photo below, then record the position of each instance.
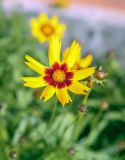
(99, 132)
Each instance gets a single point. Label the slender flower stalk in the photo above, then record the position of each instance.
(80, 118)
(53, 112)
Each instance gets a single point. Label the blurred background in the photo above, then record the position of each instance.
(99, 26)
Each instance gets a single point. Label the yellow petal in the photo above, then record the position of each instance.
(34, 82)
(72, 54)
(34, 65)
(60, 29)
(78, 88)
(63, 96)
(83, 73)
(35, 30)
(32, 79)
(86, 61)
(54, 20)
(47, 93)
(54, 50)
(43, 18)
(34, 24)
(65, 53)
(41, 37)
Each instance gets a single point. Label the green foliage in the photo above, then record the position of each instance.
(98, 134)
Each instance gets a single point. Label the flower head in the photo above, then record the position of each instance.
(59, 77)
(44, 28)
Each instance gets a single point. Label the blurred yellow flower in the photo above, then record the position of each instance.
(80, 63)
(59, 77)
(61, 3)
(44, 28)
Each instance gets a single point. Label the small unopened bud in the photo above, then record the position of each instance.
(83, 108)
(100, 74)
(71, 151)
(13, 154)
(104, 105)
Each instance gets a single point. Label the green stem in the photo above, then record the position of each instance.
(53, 112)
(86, 98)
(79, 120)
(96, 119)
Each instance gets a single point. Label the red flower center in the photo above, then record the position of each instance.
(58, 76)
(47, 29)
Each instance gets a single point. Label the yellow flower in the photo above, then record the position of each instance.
(81, 63)
(61, 3)
(58, 77)
(44, 28)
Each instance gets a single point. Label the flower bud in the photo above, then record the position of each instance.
(104, 105)
(13, 154)
(71, 151)
(83, 108)
(100, 74)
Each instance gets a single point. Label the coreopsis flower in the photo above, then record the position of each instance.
(43, 27)
(59, 77)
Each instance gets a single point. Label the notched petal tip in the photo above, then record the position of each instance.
(26, 63)
(27, 57)
(85, 92)
(63, 105)
(94, 69)
(42, 98)
(25, 84)
(66, 102)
